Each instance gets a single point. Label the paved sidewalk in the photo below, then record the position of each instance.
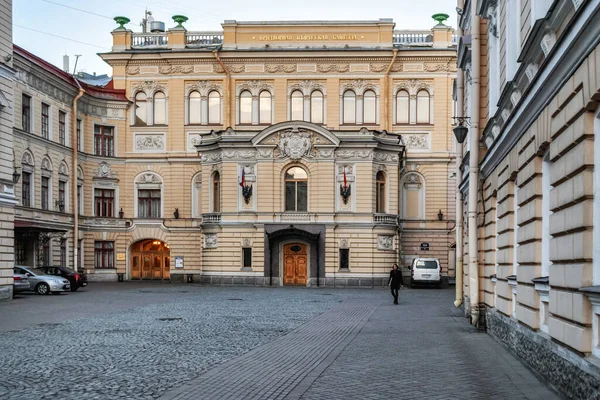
(366, 349)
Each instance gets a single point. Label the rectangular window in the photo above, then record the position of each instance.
(103, 141)
(149, 203)
(46, 253)
(79, 197)
(20, 254)
(79, 122)
(45, 121)
(45, 192)
(62, 127)
(104, 202)
(62, 186)
(63, 253)
(26, 189)
(344, 259)
(26, 113)
(104, 254)
(247, 254)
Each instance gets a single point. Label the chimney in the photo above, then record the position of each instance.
(66, 63)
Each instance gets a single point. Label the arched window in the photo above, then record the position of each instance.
(160, 109)
(140, 109)
(264, 107)
(369, 107)
(402, 107)
(316, 107)
(214, 107)
(349, 107)
(195, 108)
(296, 189)
(297, 105)
(380, 192)
(422, 107)
(196, 196)
(245, 107)
(216, 192)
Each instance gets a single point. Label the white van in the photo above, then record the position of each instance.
(426, 270)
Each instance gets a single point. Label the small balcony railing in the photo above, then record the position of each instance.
(149, 40)
(413, 38)
(200, 39)
(211, 218)
(386, 219)
(295, 217)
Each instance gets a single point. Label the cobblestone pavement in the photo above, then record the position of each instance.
(192, 342)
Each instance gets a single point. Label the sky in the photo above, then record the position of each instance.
(52, 28)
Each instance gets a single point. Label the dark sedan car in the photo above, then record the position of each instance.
(77, 279)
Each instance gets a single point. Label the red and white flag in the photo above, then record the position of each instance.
(243, 182)
(345, 184)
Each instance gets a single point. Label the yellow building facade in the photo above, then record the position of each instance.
(282, 153)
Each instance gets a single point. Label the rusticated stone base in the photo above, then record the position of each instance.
(569, 373)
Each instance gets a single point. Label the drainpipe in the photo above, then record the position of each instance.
(74, 178)
(227, 88)
(386, 96)
(474, 168)
(458, 268)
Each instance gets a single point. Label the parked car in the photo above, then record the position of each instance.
(43, 283)
(20, 282)
(426, 270)
(76, 279)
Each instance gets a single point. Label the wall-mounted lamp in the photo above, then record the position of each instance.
(440, 215)
(461, 130)
(121, 213)
(16, 175)
(176, 213)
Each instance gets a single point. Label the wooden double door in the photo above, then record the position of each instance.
(150, 260)
(295, 264)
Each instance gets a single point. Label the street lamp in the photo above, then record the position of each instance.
(440, 215)
(461, 130)
(16, 175)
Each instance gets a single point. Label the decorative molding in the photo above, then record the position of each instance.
(547, 42)
(237, 154)
(325, 153)
(413, 86)
(211, 157)
(386, 157)
(133, 70)
(254, 87)
(265, 152)
(104, 170)
(46, 164)
(148, 87)
(295, 143)
(412, 179)
(416, 141)
(210, 240)
(194, 139)
(150, 142)
(27, 159)
(344, 244)
(356, 154)
(359, 86)
(531, 71)
(176, 69)
(204, 88)
(306, 86)
(385, 242)
(63, 169)
(333, 67)
(288, 69)
(148, 177)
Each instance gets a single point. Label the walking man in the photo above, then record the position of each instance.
(395, 281)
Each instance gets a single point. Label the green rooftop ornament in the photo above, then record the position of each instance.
(440, 18)
(121, 21)
(180, 19)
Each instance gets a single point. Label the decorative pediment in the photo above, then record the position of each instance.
(293, 132)
(307, 86)
(105, 171)
(27, 159)
(412, 86)
(359, 86)
(148, 87)
(148, 177)
(204, 88)
(46, 164)
(63, 169)
(254, 87)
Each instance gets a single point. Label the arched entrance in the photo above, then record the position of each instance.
(150, 260)
(295, 261)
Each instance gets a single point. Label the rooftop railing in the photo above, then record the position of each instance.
(199, 39)
(149, 40)
(424, 37)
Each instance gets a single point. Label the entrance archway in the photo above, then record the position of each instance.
(150, 260)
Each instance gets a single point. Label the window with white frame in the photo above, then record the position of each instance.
(423, 107)
(141, 107)
(265, 107)
(369, 107)
(159, 104)
(148, 195)
(349, 107)
(214, 108)
(195, 108)
(216, 192)
(402, 107)
(26, 112)
(245, 107)
(45, 121)
(196, 196)
(296, 189)
(62, 127)
(297, 106)
(380, 192)
(317, 107)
